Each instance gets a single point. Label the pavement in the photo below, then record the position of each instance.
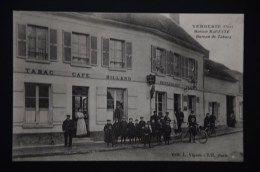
(86, 145)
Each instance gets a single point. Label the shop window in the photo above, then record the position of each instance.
(37, 103)
(160, 103)
(115, 98)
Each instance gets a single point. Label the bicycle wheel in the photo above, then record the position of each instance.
(185, 136)
(202, 137)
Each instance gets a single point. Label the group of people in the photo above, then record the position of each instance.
(138, 131)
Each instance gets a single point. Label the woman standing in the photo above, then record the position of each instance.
(81, 125)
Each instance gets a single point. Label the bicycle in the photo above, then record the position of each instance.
(211, 130)
(201, 135)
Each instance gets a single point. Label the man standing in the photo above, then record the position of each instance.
(179, 116)
(154, 116)
(192, 126)
(67, 128)
(207, 121)
(167, 118)
(142, 125)
(118, 114)
(212, 120)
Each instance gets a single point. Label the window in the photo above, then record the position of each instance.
(158, 60)
(37, 103)
(177, 65)
(160, 103)
(115, 97)
(185, 67)
(79, 49)
(37, 43)
(116, 59)
(191, 69)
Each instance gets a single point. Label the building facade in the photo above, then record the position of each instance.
(63, 62)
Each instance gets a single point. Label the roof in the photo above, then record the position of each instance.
(217, 70)
(156, 23)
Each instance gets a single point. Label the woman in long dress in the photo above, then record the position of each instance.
(81, 125)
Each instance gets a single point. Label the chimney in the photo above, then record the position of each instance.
(175, 17)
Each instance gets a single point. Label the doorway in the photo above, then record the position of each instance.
(177, 102)
(192, 103)
(80, 101)
(230, 108)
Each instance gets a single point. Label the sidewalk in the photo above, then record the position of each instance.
(90, 146)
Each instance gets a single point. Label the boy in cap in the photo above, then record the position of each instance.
(131, 130)
(167, 132)
(158, 131)
(147, 134)
(109, 134)
(167, 118)
(154, 116)
(137, 131)
(116, 129)
(141, 125)
(67, 128)
(123, 128)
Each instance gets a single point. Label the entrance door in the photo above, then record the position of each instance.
(192, 104)
(230, 107)
(177, 102)
(80, 101)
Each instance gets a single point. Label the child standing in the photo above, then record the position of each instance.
(109, 134)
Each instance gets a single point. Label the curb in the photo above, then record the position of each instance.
(105, 149)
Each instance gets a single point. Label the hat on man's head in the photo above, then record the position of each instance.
(130, 118)
(68, 115)
(136, 120)
(108, 120)
(155, 111)
(167, 112)
(141, 117)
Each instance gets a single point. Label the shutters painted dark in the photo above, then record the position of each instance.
(93, 50)
(53, 44)
(168, 63)
(163, 62)
(196, 70)
(21, 40)
(66, 46)
(105, 52)
(128, 46)
(153, 58)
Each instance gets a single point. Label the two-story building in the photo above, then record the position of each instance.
(63, 62)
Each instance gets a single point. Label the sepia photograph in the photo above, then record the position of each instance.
(92, 86)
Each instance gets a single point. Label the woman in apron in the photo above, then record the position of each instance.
(81, 125)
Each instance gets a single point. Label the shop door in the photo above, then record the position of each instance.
(192, 104)
(80, 101)
(230, 107)
(177, 102)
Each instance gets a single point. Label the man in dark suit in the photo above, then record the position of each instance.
(67, 128)
(118, 113)
(154, 116)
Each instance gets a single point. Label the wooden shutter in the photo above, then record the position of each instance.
(198, 99)
(128, 46)
(153, 57)
(168, 63)
(105, 51)
(66, 46)
(172, 63)
(88, 50)
(21, 40)
(196, 70)
(93, 50)
(53, 44)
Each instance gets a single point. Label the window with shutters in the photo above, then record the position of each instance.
(177, 65)
(116, 54)
(80, 45)
(116, 59)
(37, 43)
(160, 55)
(37, 103)
(185, 67)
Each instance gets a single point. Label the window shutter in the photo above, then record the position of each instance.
(128, 55)
(66, 46)
(53, 44)
(153, 57)
(124, 55)
(172, 63)
(88, 48)
(105, 52)
(168, 63)
(196, 70)
(183, 66)
(21, 40)
(93, 50)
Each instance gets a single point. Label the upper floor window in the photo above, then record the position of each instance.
(36, 43)
(158, 60)
(79, 49)
(116, 54)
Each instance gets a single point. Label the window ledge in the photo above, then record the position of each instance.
(32, 126)
(38, 61)
(80, 65)
(116, 69)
